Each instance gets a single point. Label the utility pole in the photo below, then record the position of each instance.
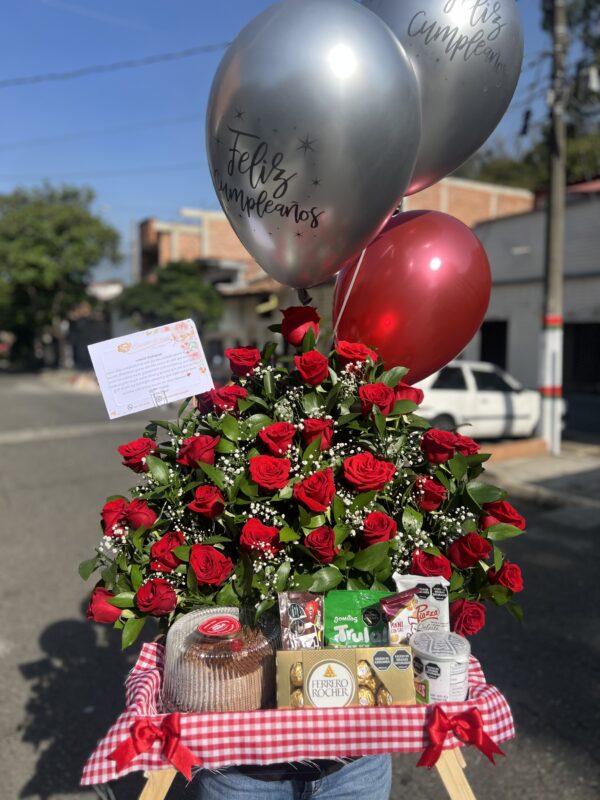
(552, 323)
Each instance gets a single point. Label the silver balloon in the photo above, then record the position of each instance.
(312, 133)
(467, 55)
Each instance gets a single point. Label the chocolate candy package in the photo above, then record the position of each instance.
(400, 611)
(431, 611)
(301, 616)
(355, 618)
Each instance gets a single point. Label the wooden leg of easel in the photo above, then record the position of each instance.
(450, 766)
(158, 783)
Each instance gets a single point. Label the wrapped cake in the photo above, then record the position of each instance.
(214, 663)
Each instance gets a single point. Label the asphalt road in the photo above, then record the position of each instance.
(61, 677)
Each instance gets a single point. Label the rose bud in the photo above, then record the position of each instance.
(135, 453)
(242, 359)
(101, 611)
(297, 321)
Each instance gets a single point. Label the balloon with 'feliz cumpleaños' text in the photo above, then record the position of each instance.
(312, 131)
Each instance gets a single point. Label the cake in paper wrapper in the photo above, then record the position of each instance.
(220, 671)
(431, 611)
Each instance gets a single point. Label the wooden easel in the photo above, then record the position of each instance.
(450, 768)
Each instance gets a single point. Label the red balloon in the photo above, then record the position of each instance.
(420, 293)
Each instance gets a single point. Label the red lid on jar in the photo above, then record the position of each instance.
(223, 626)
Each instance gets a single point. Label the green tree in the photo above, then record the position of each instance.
(49, 242)
(175, 292)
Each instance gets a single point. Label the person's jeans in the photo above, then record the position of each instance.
(368, 778)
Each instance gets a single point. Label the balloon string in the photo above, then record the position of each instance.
(348, 292)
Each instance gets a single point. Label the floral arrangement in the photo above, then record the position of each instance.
(311, 475)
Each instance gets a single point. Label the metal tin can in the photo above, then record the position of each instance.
(441, 666)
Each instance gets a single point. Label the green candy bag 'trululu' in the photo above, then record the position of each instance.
(355, 619)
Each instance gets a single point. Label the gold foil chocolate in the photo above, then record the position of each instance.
(297, 674)
(363, 672)
(365, 697)
(297, 699)
(384, 698)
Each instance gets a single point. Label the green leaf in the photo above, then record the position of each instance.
(226, 596)
(254, 424)
(356, 584)
(370, 558)
(192, 580)
(137, 538)
(288, 535)
(310, 402)
(379, 420)
(265, 605)
(158, 469)
(122, 600)
(308, 341)
(286, 492)
(344, 419)
(325, 579)
(225, 446)
(109, 574)
(412, 520)
(247, 487)
(131, 631)
(282, 575)
(215, 475)
(497, 594)
(477, 458)
(484, 492)
(216, 539)
(230, 427)
(432, 550)
(516, 610)
(136, 577)
(303, 581)
(339, 508)
(458, 466)
(393, 376)
(457, 581)
(403, 407)
(377, 586)
(253, 400)
(311, 453)
(275, 328)
(362, 500)
(443, 479)
(268, 383)
(498, 558)
(86, 568)
(268, 352)
(341, 533)
(418, 422)
(497, 533)
(183, 552)
(183, 407)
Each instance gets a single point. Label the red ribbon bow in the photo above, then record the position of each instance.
(143, 735)
(466, 726)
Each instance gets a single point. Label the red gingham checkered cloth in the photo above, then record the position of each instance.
(280, 735)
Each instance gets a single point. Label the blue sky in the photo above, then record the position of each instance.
(136, 135)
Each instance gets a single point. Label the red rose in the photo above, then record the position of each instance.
(437, 445)
(466, 617)
(277, 437)
(468, 550)
(508, 575)
(313, 367)
(207, 501)
(354, 353)
(365, 472)
(313, 428)
(164, 559)
(501, 512)
(226, 398)
(197, 448)
(465, 445)
(209, 564)
(429, 494)
(270, 473)
(321, 543)
(134, 453)
(297, 321)
(429, 564)
(156, 597)
(405, 392)
(259, 537)
(242, 359)
(101, 611)
(376, 394)
(113, 516)
(204, 402)
(316, 492)
(378, 527)
(138, 513)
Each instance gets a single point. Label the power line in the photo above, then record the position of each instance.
(107, 173)
(68, 137)
(83, 72)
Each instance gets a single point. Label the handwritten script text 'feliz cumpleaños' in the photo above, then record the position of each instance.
(473, 44)
(251, 157)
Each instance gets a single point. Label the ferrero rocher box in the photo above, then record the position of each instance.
(352, 676)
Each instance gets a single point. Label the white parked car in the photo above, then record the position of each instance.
(482, 397)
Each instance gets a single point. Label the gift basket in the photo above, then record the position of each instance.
(317, 555)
